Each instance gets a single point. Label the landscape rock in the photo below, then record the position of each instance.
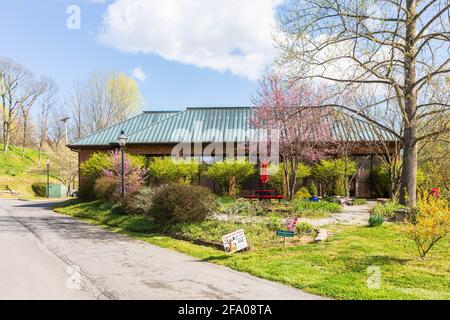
(322, 235)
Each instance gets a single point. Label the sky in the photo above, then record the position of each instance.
(181, 52)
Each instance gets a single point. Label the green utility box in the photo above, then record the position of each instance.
(57, 191)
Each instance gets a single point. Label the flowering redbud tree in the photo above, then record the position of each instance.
(303, 129)
(134, 176)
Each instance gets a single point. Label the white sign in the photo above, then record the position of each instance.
(234, 241)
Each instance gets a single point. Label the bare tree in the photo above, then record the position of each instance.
(18, 92)
(46, 106)
(398, 46)
(76, 108)
(109, 99)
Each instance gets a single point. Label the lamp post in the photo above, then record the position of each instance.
(122, 140)
(48, 178)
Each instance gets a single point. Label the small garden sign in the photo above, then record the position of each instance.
(285, 233)
(234, 241)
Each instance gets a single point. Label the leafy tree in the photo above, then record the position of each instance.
(230, 174)
(277, 177)
(167, 170)
(332, 174)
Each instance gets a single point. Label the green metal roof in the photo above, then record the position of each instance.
(109, 135)
(214, 124)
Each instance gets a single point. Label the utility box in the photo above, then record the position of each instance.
(57, 191)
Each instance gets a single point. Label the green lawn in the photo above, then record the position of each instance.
(336, 268)
(18, 172)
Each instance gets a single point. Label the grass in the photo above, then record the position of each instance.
(336, 268)
(312, 209)
(359, 201)
(260, 234)
(386, 210)
(18, 172)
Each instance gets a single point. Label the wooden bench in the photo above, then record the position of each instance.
(265, 195)
(7, 189)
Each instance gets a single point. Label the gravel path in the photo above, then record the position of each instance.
(350, 215)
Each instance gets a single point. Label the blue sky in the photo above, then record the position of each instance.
(210, 65)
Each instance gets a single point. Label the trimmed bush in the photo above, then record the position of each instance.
(303, 193)
(39, 189)
(166, 170)
(182, 203)
(91, 170)
(142, 202)
(375, 220)
(230, 174)
(332, 174)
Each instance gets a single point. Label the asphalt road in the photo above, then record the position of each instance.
(44, 255)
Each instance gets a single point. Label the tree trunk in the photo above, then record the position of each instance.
(6, 139)
(24, 138)
(408, 183)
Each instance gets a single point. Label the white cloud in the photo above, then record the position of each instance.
(139, 74)
(230, 35)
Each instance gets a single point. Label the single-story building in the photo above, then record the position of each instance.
(157, 133)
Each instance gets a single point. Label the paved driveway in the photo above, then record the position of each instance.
(44, 255)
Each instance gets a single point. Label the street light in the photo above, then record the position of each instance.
(64, 120)
(48, 178)
(122, 140)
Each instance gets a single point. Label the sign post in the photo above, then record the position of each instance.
(285, 233)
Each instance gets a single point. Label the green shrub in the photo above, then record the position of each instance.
(303, 193)
(230, 174)
(39, 189)
(332, 174)
(277, 175)
(359, 201)
(274, 223)
(116, 209)
(305, 229)
(375, 220)
(91, 170)
(313, 189)
(104, 189)
(380, 182)
(386, 210)
(182, 203)
(142, 202)
(166, 170)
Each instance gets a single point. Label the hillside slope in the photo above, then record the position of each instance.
(18, 172)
